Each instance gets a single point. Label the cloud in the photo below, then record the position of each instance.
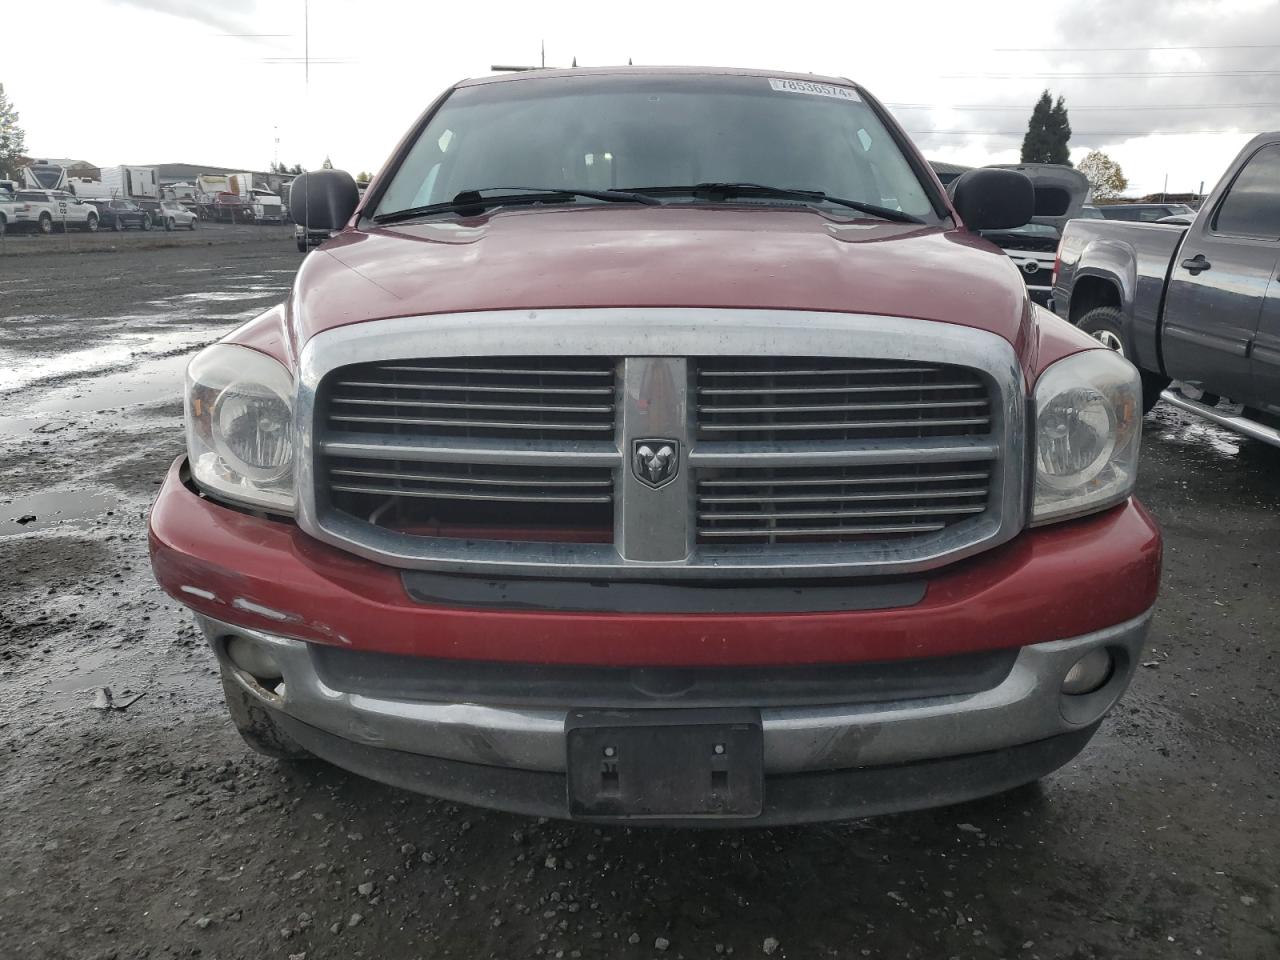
(1171, 87)
(225, 16)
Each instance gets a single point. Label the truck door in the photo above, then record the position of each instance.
(1219, 279)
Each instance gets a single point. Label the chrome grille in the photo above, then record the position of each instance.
(527, 398)
(838, 504)
(794, 399)
(807, 444)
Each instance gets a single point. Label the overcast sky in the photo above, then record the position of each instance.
(159, 81)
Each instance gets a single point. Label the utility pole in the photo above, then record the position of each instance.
(1165, 190)
(306, 41)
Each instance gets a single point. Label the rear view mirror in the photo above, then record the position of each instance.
(323, 199)
(991, 199)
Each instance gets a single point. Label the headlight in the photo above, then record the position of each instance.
(239, 411)
(1088, 410)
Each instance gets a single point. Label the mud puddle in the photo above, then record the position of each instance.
(1196, 434)
(102, 402)
(49, 509)
(18, 372)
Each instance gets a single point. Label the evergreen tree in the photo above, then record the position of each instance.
(12, 137)
(1048, 132)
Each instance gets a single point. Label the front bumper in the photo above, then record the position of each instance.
(1064, 580)
(1018, 730)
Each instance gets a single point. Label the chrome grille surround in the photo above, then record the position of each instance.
(656, 530)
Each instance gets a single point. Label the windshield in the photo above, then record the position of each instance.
(632, 132)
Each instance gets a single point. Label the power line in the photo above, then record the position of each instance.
(1126, 75)
(1074, 133)
(1073, 107)
(1211, 46)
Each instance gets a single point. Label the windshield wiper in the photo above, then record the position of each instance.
(724, 191)
(474, 202)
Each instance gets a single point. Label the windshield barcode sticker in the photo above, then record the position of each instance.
(814, 89)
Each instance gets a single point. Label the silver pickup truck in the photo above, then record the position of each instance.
(1198, 304)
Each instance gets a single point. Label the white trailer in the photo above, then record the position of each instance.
(132, 183)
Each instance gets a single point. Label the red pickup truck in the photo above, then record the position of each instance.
(664, 446)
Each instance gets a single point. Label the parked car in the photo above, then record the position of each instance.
(1197, 304)
(173, 214)
(1144, 212)
(51, 210)
(753, 492)
(121, 214)
(15, 214)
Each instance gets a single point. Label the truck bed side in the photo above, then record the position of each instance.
(1116, 263)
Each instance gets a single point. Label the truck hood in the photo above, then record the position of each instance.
(624, 256)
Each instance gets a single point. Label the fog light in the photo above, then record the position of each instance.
(1089, 673)
(254, 658)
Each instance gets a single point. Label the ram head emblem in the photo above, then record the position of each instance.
(655, 462)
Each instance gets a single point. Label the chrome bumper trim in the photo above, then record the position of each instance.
(1026, 706)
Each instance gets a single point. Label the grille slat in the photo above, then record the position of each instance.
(534, 368)
(462, 423)
(446, 405)
(467, 479)
(877, 388)
(844, 407)
(809, 370)
(816, 533)
(854, 497)
(478, 388)
(847, 425)
(762, 399)
(436, 494)
(777, 515)
(829, 481)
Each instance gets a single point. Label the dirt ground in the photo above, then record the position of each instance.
(151, 832)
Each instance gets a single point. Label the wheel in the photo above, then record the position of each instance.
(168, 223)
(4, 225)
(192, 224)
(1105, 324)
(91, 224)
(146, 222)
(302, 244)
(46, 223)
(257, 726)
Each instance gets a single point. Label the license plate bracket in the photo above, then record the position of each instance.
(665, 764)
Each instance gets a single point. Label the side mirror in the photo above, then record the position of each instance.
(323, 199)
(991, 199)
